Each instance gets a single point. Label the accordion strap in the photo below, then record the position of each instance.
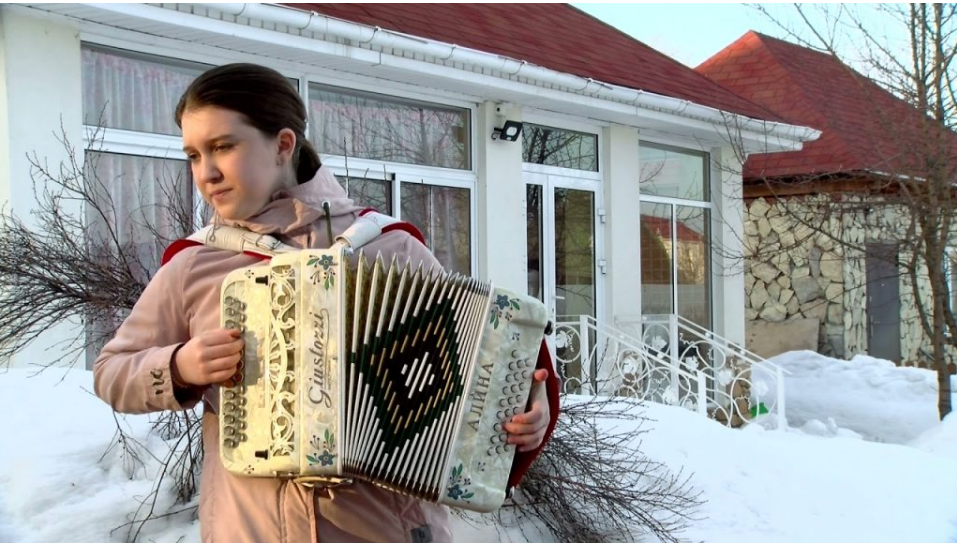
(239, 240)
(369, 226)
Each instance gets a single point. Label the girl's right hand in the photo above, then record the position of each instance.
(211, 357)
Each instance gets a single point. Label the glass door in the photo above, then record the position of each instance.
(564, 245)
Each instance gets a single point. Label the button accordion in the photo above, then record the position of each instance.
(377, 371)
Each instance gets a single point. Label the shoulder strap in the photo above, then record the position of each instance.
(369, 226)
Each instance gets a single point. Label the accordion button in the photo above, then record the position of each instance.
(490, 451)
(499, 449)
(504, 389)
(230, 407)
(495, 439)
(526, 374)
(229, 394)
(514, 388)
(504, 402)
(229, 430)
(242, 437)
(501, 414)
(522, 386)
(229, 419)
(230, 443)
(497, 427)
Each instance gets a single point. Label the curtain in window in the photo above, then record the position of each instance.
(131, 91)
(371, 126)
(141, 204)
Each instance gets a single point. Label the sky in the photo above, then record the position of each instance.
(691, 33)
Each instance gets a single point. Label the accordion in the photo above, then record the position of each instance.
(377, 371)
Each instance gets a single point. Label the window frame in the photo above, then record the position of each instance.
(673, 203)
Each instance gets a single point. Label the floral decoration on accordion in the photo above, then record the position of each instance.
(327, 445)
(324, 271)
(502, 309)
(458, 490)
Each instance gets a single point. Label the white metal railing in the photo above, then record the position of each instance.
(701, 371)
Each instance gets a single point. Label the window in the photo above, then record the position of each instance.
(675, 233)
(950, 276)
(369, 193)
(151, 198)
(559, 147)
(137, 94)
(132, 91)
(141, 194)
(675, 173)
(365, 125)
(443, 214)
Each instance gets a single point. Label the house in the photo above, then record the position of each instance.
(406, 103)
(810, 259)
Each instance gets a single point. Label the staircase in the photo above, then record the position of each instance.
(669, 360)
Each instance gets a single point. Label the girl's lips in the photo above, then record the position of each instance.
(220, 194)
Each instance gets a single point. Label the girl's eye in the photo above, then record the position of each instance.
(222, 147)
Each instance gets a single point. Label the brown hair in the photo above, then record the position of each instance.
(264, 97)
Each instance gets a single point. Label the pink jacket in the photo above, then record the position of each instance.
(132, 374)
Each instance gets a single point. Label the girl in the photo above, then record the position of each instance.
(244, 135)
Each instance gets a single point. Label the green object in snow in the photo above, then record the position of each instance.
(758, 410)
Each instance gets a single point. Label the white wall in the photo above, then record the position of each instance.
(502, 226)
(622, 245)
(727, 224)
(40, 91)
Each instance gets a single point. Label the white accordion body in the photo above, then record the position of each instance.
(401, 377)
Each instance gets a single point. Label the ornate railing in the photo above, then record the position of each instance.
(701, 370)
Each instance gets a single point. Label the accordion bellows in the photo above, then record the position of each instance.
(377, 371)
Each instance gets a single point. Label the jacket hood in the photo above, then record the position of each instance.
(292, 209)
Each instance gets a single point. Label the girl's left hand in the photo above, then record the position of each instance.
(528, 430)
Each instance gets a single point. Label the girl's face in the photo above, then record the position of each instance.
(235, 166)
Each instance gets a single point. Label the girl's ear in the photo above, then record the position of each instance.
(287, 144)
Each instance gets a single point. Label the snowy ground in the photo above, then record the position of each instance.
(864, 460)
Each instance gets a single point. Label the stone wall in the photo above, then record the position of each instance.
(804, 260)
(794, 271)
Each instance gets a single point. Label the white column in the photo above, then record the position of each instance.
(727, 227)
(40, 91)
(502, 228)
(621, 169)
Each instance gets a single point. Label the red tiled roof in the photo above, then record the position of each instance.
(555, 36)
(863, 126)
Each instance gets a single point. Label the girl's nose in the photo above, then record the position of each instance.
(207, 172)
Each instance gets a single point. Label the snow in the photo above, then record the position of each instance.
(873, 397)
(864, 459)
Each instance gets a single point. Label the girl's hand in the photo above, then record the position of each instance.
(211, 357)
(528, 430)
